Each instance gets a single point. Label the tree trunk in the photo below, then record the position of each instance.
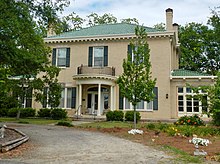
(135, 119)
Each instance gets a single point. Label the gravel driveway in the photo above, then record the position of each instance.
(61, 145)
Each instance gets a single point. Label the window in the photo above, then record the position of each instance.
(98, 59)
(188, 103)
(61, 57)
(124, 104)
(142, 106)
(67, 100)
(98, 56)
(26, 101)
(135, 57)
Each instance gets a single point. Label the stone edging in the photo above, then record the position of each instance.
(14, 143)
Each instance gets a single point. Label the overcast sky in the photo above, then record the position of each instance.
(148, 12)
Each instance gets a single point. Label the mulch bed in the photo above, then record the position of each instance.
(150, 138)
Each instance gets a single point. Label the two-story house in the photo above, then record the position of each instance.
(91, 60)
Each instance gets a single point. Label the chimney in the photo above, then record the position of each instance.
(176, 28)
(169, 19)
(50, 31)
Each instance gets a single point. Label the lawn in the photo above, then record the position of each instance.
(38, 121)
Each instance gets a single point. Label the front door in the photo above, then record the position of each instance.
(92, 103)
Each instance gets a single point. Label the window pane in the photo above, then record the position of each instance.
(140, 105)
(127, 104)
(180, 97)
(62, 99)
(106, 101)
(180, 103)
(180, 109)
(180, 90)
(196, 109)
(98, 56)
(69, 97)
(189, 109)
(188, 90)
(61, 58)
(150, 105)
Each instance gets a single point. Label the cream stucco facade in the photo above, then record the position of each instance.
(95, 61)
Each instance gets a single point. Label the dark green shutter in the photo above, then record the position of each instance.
(155, 101)
(29, 98)
(130, 52)
(45, 98)
(73, 103)
(105, 55)
(90, 57)
(54, 56)
(68, 57)
(121, 101)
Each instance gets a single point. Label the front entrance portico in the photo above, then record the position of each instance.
(95, 94)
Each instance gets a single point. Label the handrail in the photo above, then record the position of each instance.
(77, 111)
(83, 69)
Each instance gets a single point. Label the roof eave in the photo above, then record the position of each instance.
(193, 77)
(106, 37)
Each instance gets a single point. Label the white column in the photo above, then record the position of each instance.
(77, 97)
(112, 99)
(80, 99)
(65, 98)
(99, 101)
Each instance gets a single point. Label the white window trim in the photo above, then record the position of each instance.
(185, 94)
(93, 56)
(139, 110)
(57, 49)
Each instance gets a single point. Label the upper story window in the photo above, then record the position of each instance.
(134, 57)
(61, 57)
(98, 56)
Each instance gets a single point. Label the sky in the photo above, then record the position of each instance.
(148, 12)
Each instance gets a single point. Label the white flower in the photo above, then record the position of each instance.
(200, 141)
(135, 131)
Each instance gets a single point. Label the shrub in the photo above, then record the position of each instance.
(13, 112)
(58, 113)
(129, 116)
(44, 112)
(150, 126)
(163, 127)
(3, 112)
(27, 112)
(114, 115)
(190, 120)
(216, 117)
(24, 112)
(64, 123)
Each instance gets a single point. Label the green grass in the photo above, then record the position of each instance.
(110, 124)
(181, 155)
(38, 121)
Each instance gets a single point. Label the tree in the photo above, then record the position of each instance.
(213, 104)
(200, 46)
(45, 13)
(136, 83)
(130, 21)
(160, 26)
(69, 22)
(23, 51)
(95, 19)
(47, 89)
